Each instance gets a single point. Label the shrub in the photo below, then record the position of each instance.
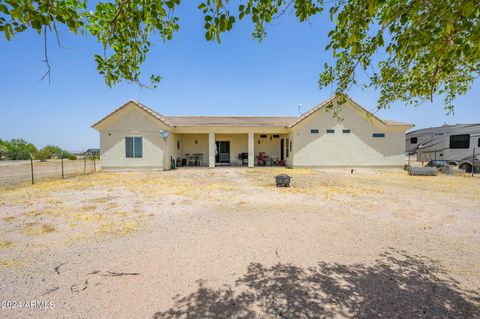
(42, 155)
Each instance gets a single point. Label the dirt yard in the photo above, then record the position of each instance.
(226, 243)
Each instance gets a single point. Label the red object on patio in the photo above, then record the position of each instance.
(261, 159)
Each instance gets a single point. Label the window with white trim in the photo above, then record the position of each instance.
(133, 147)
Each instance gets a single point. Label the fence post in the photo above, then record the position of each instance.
(84, 164)
(473, 162)
(94, 166)
(63, 176)
(31, 168)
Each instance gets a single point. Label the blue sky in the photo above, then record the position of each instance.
(238, 77)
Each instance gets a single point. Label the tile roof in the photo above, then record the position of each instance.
(240, 121)
(231, 120)
(396, 123)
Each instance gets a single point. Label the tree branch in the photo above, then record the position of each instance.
(45, 60)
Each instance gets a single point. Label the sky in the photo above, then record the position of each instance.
(238, 77)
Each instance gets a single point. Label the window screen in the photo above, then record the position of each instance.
(330, 131)
(378, 134)
(413, 140)
(129, 146)
(133, 146)
(314, 131)
(346, 131)
(138, 147)
(460, 141)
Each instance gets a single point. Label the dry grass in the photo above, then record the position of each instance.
(119, 228)
(10, 263)
(5, 244)
(9, 219)
(35, 229)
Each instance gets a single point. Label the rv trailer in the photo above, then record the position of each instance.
(453, 143)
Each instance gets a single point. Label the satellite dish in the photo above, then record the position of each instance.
(164, 134)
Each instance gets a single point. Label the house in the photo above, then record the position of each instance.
(92, 152)
(136, 137)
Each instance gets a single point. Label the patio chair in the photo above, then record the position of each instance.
(275, 161)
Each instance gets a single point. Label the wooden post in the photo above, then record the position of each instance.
(94, 166)
(63, 175)
(31, 168)
(84, 164)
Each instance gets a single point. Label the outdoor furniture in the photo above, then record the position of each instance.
(261, 159)
(194, 159)
(282, 180)
(275, 161)
(244, 158)
(198, 159)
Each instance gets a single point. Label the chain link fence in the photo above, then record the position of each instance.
(14, 173)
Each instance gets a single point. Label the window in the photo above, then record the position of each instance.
(330, 131)
(263, 136)
(413, 140)
(460, 141)
(378, 134)
(133, 146)
(479, 142)
(290, 145)
(276, 136)
(346, 131)
(314, 131)
(287, 147)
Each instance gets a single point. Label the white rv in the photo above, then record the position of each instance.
(453, 143)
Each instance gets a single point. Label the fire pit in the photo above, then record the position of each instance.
(282, 180)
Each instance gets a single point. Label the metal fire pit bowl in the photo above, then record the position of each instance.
(282, 180)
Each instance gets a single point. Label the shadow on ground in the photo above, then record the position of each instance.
(395, 286)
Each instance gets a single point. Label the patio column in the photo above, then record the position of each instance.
(211, 149)
(251, 150)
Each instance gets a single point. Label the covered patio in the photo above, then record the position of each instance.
(232, 149)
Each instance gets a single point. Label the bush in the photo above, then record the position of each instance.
(19, 149)
(55, 151)
(3, 152)
(72, 157)
(42, 155)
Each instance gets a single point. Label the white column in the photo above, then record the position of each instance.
(251, 150)
(211, 149)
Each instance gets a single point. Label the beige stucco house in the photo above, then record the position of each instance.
(137, 137)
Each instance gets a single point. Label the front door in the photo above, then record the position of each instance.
(223, 152)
